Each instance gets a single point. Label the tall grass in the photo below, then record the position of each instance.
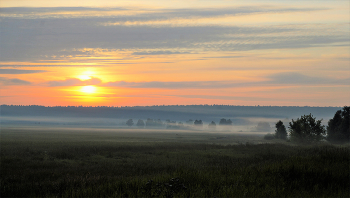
(67, 167)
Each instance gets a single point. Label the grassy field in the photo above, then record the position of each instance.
(63, 162)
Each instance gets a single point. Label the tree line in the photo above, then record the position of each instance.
(304, 129)
(307, 129)
(172, 124)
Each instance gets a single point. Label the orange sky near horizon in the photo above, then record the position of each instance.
(253, 53)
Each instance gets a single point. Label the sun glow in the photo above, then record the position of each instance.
(88, 89)
(86, 75)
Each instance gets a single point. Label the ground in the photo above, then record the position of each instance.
(78, 162)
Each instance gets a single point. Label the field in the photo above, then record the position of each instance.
(76, 162)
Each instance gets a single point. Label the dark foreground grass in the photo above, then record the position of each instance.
(68, 167)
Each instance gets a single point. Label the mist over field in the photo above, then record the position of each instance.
(244, 118)
(169, 151)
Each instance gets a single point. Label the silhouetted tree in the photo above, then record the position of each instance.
(306, 129)
(281, 132)
(130, 122)
(198, 123)
(140, 123)
(223, 121)
(212, 125)
(338, 129)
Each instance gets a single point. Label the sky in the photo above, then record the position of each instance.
(141, 53)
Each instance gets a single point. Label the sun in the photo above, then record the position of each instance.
(88, 89)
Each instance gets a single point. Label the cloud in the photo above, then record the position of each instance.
(301, 79)
(29, 43)
(13, 81)
(147, 14)
(222, 97)
(236, 56)
(31, 39)
(20, 71)
(74, 82)
(173, 85)
(184, 17)
(50, 10)
(168, 52)
(53, 65)
(278, 79)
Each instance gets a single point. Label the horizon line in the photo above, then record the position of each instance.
(102, 106)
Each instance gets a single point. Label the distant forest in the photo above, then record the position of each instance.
(207, 113)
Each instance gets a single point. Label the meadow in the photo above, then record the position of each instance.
(78, 162)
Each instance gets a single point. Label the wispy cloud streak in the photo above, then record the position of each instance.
(13, 81)
(152, 32)
(20, 71)
(286, 78)
(74, 82)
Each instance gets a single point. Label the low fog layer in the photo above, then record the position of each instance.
(193, 117)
